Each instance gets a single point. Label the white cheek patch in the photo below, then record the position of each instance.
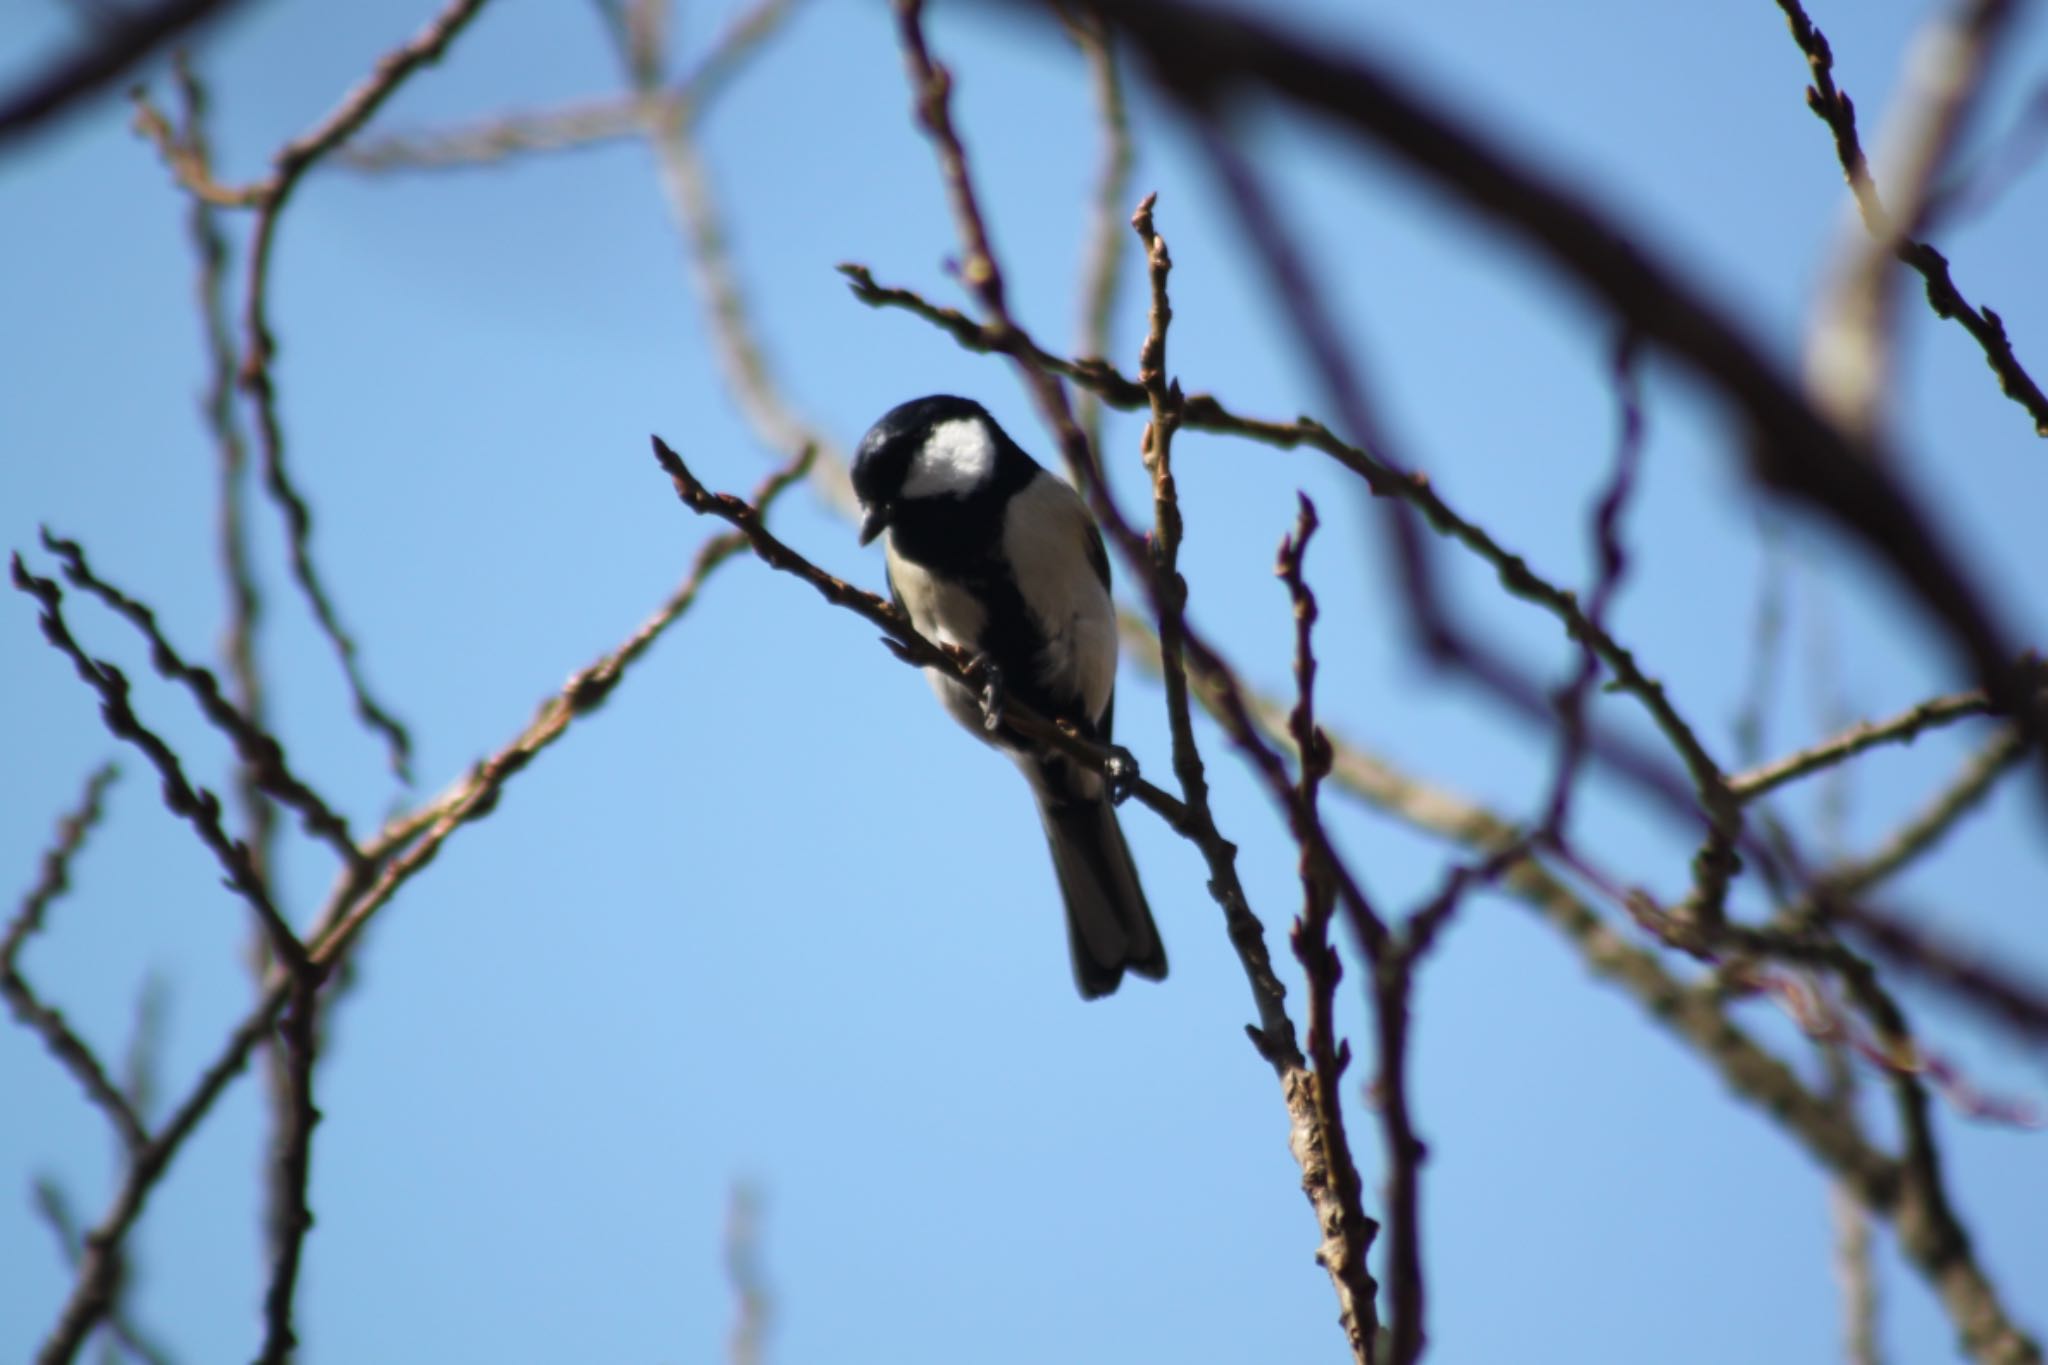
(955, 459)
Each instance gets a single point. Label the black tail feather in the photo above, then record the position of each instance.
(1109, 926)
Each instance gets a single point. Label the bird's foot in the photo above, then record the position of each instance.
(991, 696)
(1122, 774)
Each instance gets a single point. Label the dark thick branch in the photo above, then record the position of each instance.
(113, 50)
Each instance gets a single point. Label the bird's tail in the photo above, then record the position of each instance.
(1109, 926)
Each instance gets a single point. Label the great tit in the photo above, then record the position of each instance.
(989, 552)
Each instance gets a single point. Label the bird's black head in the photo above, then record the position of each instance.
(930, 448)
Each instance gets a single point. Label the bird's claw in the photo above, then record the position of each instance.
(1121, 771)
(991, 696)
(897, 647)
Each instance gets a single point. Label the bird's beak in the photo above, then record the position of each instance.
(873, 521)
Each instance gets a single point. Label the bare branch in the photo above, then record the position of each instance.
(261, 754)
(1103, 250)
(1849, 352)
(269, 197)
(64, 1044)
(577, 124)
(410, 843)
(291, 1213)
(1206, 58)
(1610, 563)
(1834, 108)
(198, 807)
(1969, 978)
(1855, 1270)
(400, 851)
(113, 50)
(54, 1208)
(1903, 728)
(1927, 828)
(756, 1305)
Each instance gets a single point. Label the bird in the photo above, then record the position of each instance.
(989, 551)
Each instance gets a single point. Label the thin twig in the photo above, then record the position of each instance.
(1855, 1269)
(1926, 829)
(411, 842)
(1102, 252)
(1833, 107)
(1610, 561)
(1850, 349)
(63, 1043)
(402, 850)
(197, 806)
(1970, 978)
(754, 1312)
(54, 1208)
(217, 405)
(1900, 729)
(261, 754)
(668, 120)
(269, 197)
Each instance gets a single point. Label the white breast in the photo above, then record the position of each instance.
(944, 614)
(1046, 534)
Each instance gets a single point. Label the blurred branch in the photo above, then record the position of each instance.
(269, 197)
(1208, 58)
(668, 120)
(1834, 108)
(1852, 341)
(1903, 728)
(756, 1306)
(567, 127)
(132, 34)
(1968, 978)
(63, 1043)
(1927, 828)
(1610, 561)
(1767, 638)
(1855, 1268)
(54, 1208)
(579, 123)
(1972, 191)
(1102, 252)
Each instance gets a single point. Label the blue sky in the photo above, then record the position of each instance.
(767, 916)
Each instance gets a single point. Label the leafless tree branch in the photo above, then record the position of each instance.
(114, 49)
(64, 1044)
